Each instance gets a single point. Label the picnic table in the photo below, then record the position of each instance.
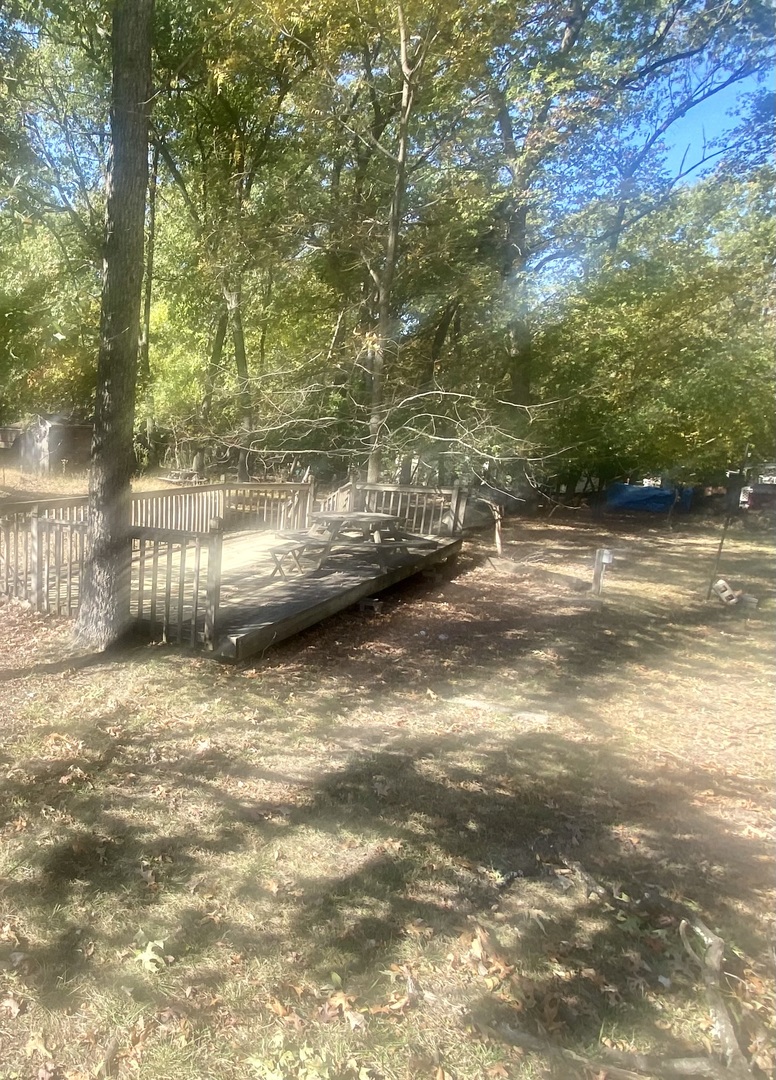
(360, 523)
(354, 531)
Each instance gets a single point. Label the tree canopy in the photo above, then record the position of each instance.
(400, 232)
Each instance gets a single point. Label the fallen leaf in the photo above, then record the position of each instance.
(11, 1006)
(355, 1019)
(341, 1000)
(36, 1044)
(149, 958)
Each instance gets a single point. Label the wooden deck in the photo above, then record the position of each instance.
(202, 559)
(257, 610)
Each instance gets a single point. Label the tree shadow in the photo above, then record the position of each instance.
(398, 854)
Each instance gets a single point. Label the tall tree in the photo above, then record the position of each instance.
(104, 610)
(663, 361)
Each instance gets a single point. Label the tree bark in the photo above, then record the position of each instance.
(214, 362)
(146, 384)
(233, 297)
(384, 278)
(104, 611)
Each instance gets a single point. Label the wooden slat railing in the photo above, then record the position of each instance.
(339, 501)
(268, 506)
(57, 563)
(41, 561)
(175, 578)
(15, 554)
(176, 583)
(424, 510)
(178, 509)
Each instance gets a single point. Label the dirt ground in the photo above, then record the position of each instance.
(397, 822)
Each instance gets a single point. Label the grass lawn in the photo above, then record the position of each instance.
(393, 843)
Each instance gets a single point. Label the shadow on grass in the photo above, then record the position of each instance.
(77, 661)
(394, 859)
(368, 860)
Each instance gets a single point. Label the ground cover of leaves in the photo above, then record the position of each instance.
(369, 854)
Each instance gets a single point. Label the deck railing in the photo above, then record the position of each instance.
(424, 510)
(176, 583)
(265, 506)
(175, 545)
(41, 560)
(175, 575)
(339, 501)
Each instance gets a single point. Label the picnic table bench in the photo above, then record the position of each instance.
(375, 535)
(290, 553)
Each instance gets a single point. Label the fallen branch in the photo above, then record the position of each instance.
(616, 1064)
(711, 969)
(620, 1065)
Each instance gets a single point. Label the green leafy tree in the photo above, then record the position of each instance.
(663, 362)
(104, 608)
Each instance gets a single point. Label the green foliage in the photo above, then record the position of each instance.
(538, 240)
(663, 361)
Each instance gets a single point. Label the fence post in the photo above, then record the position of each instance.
(36, 560)
(310, 501)
(457, 507)
(215, 546)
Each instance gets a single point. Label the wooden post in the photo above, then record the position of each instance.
(310, 502)
(215, 547)
(456, 522)
(460, 510)
(718, 559)
(36, 560)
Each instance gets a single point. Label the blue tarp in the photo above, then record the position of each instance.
(636, 497)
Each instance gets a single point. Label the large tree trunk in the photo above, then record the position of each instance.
(384, 337)
(233, 297)
(104, 612)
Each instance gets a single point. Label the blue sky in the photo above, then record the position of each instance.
(710, 120)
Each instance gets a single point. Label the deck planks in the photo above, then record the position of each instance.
(258, 611)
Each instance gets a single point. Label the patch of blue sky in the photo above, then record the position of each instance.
(692, 138)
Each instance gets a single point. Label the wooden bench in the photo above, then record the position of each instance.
(380, 552)
(288, 555)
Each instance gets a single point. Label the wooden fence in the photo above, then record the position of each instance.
(41, 560)
(263, 506)
(428, 511)
(176, 536)
(176, 584)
